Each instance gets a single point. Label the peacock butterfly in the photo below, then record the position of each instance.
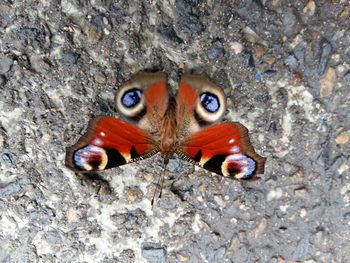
(186, 124)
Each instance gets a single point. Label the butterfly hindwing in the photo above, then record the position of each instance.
(109, 142)
(224, 149)
(200, 103)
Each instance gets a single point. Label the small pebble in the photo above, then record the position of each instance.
(5, 64)
(39, 64)
(259, 52)
(326, 51)
(73, 214)
(100, 78)
(291, 23)
(10, 189)
(236, 47)
(342, 138)
(217, 254)
(70, 57)
(167, 203)
(233, 220)
(276, 2)
(270, 72)
(271, 60)
(346, 12)
(327, 83)
(310, 8)
(126, 255)
(260, 228)
(302, 247)
(219, 200)
(134, 194)
(28, 34)
(258, 76)
(175, 165)
(154, 254)
(274, 194)
(94, 30)
(119, 219)
(182, 258)
(216, 51)
(2, 80)
(253, 37)
(343, 168)
(200, 198)
(248, 59)
(345, 189)
(301, 192)
(149, 178)
(284, 208)
(303, 212)
(292, 62)
(9, 158)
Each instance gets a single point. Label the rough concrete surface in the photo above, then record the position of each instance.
(285, 67)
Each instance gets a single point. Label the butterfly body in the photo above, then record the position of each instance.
(187, 124)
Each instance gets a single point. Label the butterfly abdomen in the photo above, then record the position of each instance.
(168, 138)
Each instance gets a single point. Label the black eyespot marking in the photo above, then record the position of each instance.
(114, 158)
(133, 152)
(210, 102)
(198, 156)
(214, 163)
(131, 97)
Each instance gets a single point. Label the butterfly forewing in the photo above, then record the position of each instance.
(109, 142)
(224, 149)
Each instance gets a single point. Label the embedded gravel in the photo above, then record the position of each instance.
(285, 67)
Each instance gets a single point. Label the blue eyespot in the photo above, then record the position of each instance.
(210, 102)
(131, 97)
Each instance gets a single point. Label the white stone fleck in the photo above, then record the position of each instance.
(274, 194)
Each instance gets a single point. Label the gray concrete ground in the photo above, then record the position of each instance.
(285, 66)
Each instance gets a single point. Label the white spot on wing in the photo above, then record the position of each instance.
(102, 134)
(231, 141)
(235, 149)
(235, 157)
(97, 142)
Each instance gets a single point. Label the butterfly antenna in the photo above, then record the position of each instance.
(160, 182)
(162, 178)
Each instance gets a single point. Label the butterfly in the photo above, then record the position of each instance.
(188, 124)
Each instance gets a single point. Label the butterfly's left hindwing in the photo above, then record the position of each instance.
(109, 142)
(224, 149)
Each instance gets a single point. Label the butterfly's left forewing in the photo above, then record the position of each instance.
(224, 149)
(109, 142)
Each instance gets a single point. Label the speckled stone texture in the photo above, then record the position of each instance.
(285, 67)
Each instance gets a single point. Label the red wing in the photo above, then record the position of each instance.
(224, 149)
(109, 142)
